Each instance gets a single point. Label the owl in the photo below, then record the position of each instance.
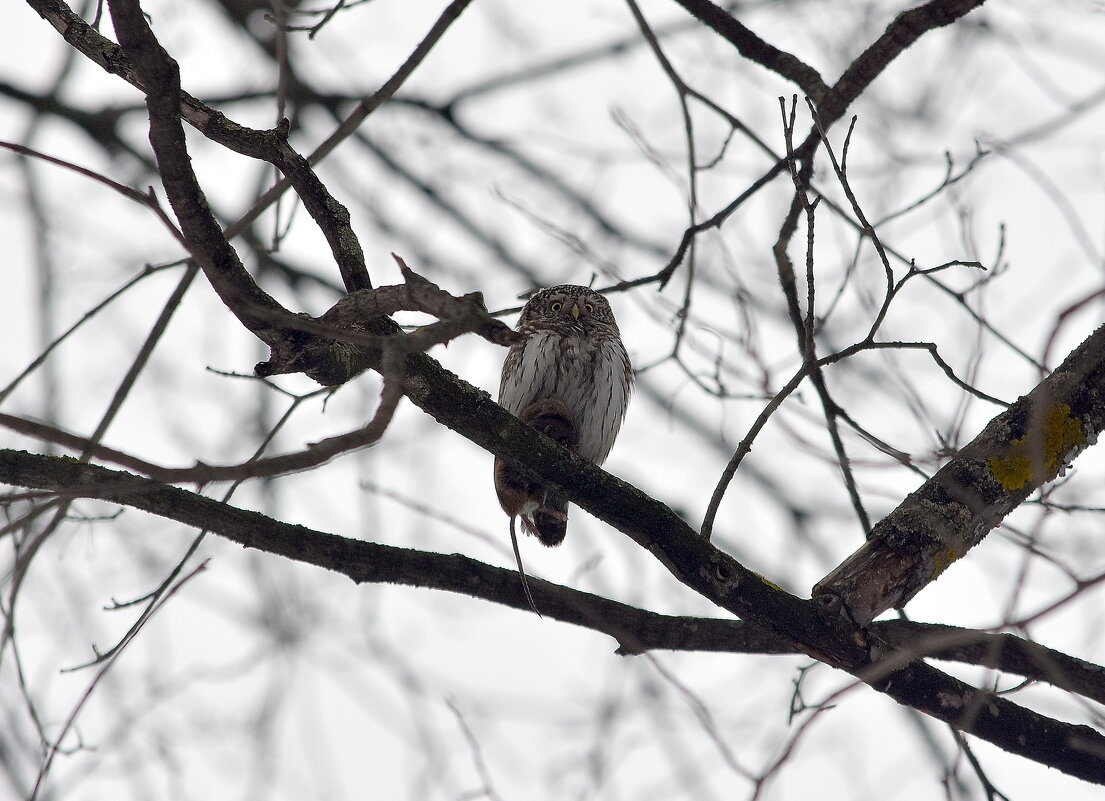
(570, 378)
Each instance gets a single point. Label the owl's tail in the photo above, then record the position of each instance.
(549, 522)
(544, 511)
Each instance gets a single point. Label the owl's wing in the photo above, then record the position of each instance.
(613, 385)
(514, 394)
(530, 365)
(621, 381)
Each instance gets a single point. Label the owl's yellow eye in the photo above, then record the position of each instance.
(590, 307)
(556, 306)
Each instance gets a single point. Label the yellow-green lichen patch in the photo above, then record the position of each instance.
(1039, 458)
(942, 559)
(769, 583)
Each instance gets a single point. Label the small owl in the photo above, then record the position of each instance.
(570, 378)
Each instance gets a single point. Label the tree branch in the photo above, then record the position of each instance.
(1020, 450)
(755, 49)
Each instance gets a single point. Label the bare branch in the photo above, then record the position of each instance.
(754, 48)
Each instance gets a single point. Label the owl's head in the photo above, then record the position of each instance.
(568, 304)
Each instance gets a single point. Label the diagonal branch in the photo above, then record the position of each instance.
(1021, 449)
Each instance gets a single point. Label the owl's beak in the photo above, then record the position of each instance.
(575, 311)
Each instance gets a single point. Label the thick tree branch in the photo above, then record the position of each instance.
(710, 572)
(1020, 450)
(1004, 652)
(1078, 750)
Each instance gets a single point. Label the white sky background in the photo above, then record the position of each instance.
(267, 679)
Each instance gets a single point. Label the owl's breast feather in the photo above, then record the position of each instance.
(588, 376)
